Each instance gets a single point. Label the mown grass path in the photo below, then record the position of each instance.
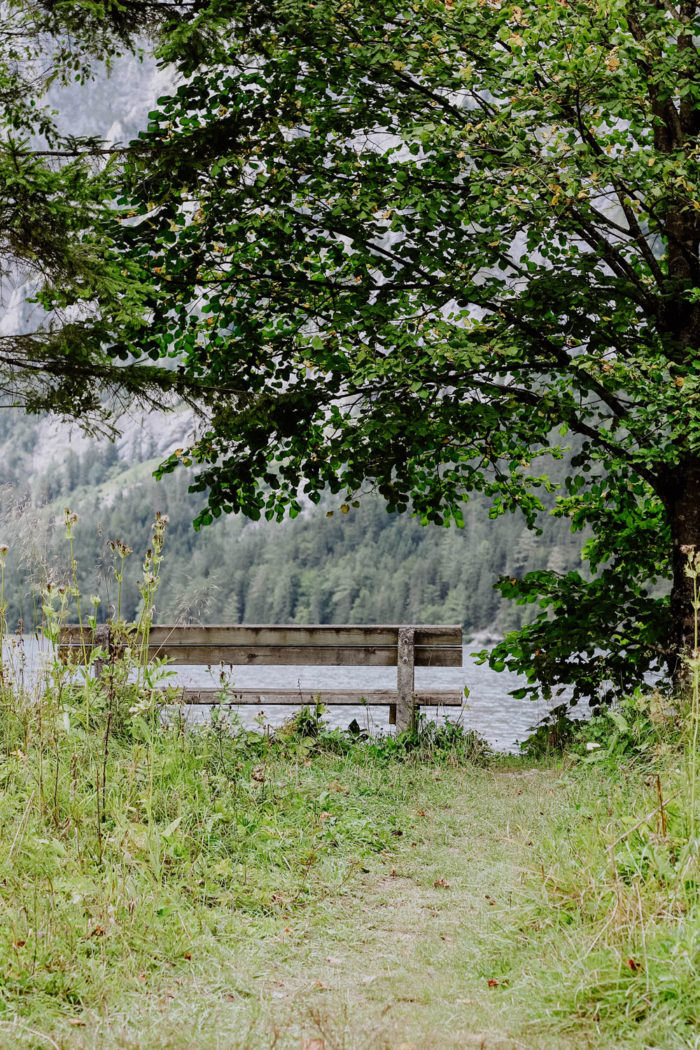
(418, 948)
(419, 951)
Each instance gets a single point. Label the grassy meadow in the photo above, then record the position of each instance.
(166, 886)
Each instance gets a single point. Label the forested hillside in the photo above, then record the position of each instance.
(361, 567)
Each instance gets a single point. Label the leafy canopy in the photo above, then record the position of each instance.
(79, 341)
(409, 242)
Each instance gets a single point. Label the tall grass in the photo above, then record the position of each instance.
(135, 842)
(614, 905)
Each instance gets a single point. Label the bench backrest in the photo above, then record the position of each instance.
(375, 646)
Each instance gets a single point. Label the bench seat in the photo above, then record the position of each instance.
(319, 645)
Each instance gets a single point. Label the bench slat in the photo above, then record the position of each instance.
(265, 697)
(301, 655)
(296, 634)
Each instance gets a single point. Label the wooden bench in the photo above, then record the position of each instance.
(383, 646)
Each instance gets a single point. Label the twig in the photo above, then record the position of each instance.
(22, 825)
(644, 820)
(661, 805)
(31, 1031)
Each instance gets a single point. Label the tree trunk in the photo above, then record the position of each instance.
(675, 126)
(681, 495)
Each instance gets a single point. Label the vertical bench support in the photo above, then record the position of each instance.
(405, 707)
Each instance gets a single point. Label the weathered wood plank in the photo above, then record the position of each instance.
(244, 635)
(289, 697)
(308, 655)
(300, 655)
(405, 704)
(301, 634)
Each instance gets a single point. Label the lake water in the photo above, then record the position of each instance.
(498, 717)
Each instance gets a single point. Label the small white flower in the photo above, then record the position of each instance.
(591, 746)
